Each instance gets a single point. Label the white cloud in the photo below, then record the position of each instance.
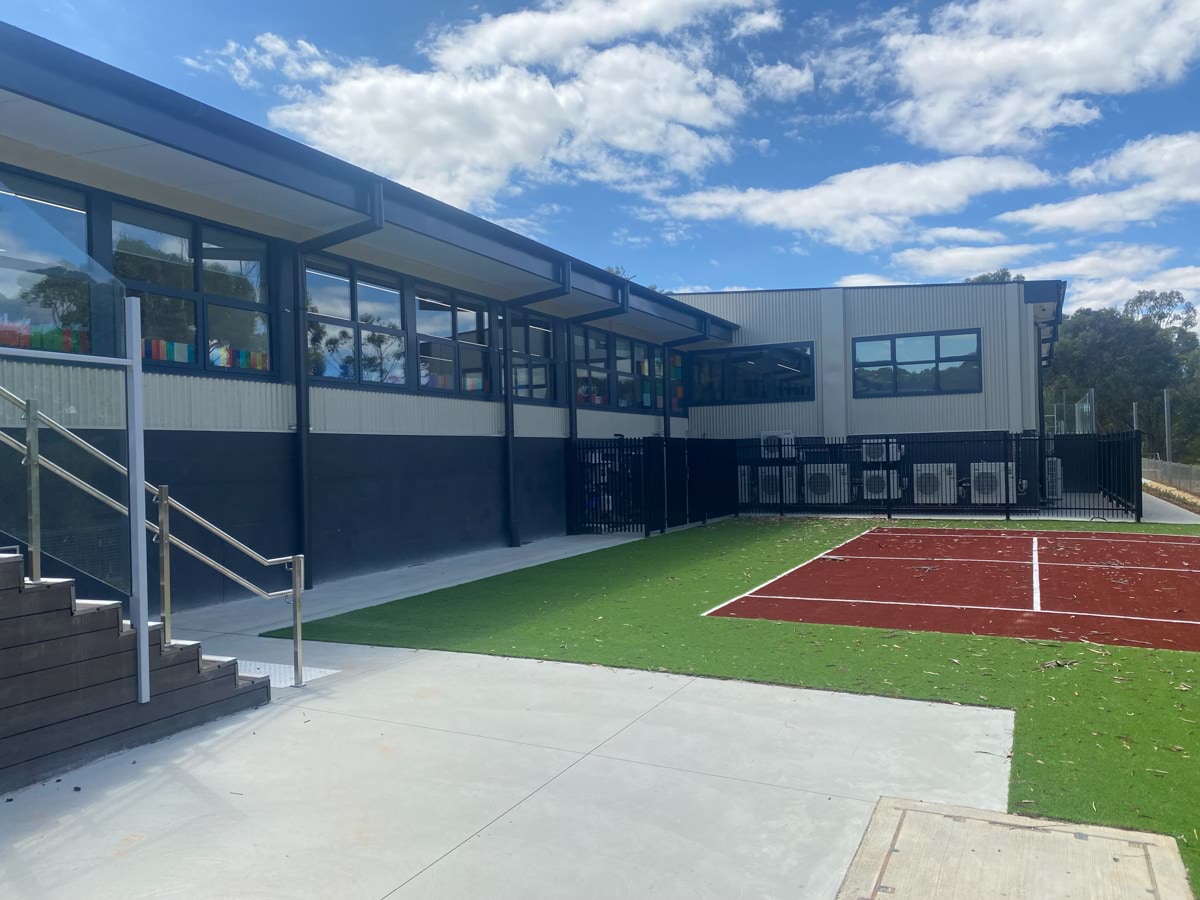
(1000, 74)
(634, 116)
(953, 233)
(1163, 172)
(623, 237)
(556, 30)
(866, 279)
(1111, 273)
(756, 22)
(863, 208)
(963, 262)
(691, 289)
(782, 81)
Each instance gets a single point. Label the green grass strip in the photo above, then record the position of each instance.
(1111, 739)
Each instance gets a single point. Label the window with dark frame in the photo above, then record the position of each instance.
(454, 339)
(45, 304)
(611, 369)
(355, 323)
(771, 374)
(205, 302)
(533, 367)
(914, 365)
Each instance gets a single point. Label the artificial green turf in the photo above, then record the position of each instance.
(1112, 738)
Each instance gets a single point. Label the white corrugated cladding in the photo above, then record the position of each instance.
(763, 317)
(833, 317)
(82, 396)
(530, 420)
(995, 309)
(596, 423)
(344, 411)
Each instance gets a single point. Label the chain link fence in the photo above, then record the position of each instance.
(1181, 476)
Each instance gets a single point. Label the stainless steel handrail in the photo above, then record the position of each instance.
(31, 452)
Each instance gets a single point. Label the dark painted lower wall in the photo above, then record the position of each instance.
(382, 501)
(378, 502)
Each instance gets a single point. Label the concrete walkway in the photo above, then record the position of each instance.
(1162, 512)
(422, 774)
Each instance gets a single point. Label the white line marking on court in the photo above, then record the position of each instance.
(1018, 562)
(1010, 609)
(1147, 537)
(788, 572)
(1037, 580)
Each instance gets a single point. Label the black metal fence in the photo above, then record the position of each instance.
(648, 484)
(1026, 475)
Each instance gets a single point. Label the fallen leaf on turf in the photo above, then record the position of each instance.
(1060, 663)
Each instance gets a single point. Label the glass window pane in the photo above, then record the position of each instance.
(541, 338)
(472, 324)
(383, 357)
(749, 371)
(641, 359)
(658, 362)
(542, 381)
(233, 265)
(624, 355)
(434, 317)
(379, 301)
(793, 373)
(872, 351)
(328, 292)
(330, 351)
(61, 208)
(583, 386)
(871, 381)
(916, 378)
(520, 331)
(676, 390)
(239, 339)
(151, 247)
(437, 365)
(627, 391)
(520, 373)
(965, 375)
(707, 379)
(599, 388)
(476, 370)
(916, 349)
(597, 344)
(958, 345)
(168, 329)
(580, 347)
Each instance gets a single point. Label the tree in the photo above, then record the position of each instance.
(1000, 276)
(1130, 356)
(621, 272)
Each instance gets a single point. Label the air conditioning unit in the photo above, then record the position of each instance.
(1054, 478)
(826, 483)
(881, 484)
(988, 480)
(935, 483)
(778, 485)
(778, 444)
(879, 450)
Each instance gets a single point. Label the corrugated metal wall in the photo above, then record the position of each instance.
(188, 403)
(77, 396)
(594, 423)
(765, 317)
(541, 421)
(832, 318)
(898, 310)
(342, 411)
(747, 420)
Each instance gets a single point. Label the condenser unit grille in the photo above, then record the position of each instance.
(935, 483)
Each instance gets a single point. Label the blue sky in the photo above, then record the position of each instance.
(709, 144)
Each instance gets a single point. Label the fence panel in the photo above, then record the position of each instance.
(677, 482)
(1181, 476)
(606, 486)
(977, 474)
(697, 480)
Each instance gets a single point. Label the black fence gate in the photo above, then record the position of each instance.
(648, 484)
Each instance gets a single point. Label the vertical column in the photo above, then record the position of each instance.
(134, 412)
(832, 366)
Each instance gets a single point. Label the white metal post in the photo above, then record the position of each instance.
(33, 477)
(1167, 416)
(139, 613)
(1135, 416)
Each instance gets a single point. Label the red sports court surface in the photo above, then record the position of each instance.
(1105, 587)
